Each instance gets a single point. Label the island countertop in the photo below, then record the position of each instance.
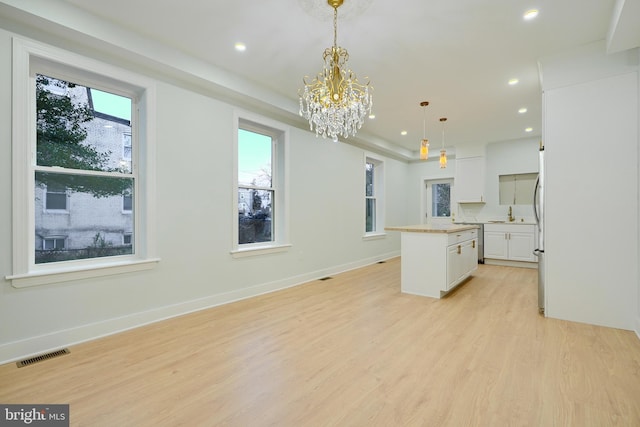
(433, 228)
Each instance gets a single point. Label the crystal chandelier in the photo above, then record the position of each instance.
(334, 101)
(424, 144)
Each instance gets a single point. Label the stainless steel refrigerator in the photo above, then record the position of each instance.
(538, 212)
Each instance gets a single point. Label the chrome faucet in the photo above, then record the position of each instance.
(511, 217)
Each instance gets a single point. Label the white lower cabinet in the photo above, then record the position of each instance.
(512, 242)
(462, 259)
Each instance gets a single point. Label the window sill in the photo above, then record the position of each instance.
(259, 250)
(57, 275)
(374, 236)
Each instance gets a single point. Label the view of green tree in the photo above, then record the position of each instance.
(444, 200)
(60, 142)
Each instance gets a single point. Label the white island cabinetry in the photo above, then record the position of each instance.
(462, 259)
(435, 259)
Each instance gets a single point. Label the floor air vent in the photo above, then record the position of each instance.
(40, 358)
(326, 278)
(381, 262)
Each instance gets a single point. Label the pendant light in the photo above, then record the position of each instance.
(424, 145)
(443, 152)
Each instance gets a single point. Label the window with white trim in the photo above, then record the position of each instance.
(127, 202)
(374, 196)
(54, 243)
(55, 197)
(260, 206)
(73, 116)
(126, 146)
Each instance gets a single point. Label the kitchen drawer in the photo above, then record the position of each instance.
(461, 236)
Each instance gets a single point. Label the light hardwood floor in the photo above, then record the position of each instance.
(351, 351)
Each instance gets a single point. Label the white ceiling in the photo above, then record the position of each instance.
(458, 54)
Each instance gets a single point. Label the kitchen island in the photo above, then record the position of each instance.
(435, 258)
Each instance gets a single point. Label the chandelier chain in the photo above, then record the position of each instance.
(335, 27)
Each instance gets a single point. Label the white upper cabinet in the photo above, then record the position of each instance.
(469, 180)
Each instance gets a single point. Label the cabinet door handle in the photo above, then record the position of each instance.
(473, 244)
(459, 249)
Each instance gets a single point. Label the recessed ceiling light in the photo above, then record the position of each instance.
(372, 116)
(403, 133)
(522, 110)
(530, 14)
(528, 129)
(240, 47)
(513, 82)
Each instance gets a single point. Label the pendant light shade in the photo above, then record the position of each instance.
(443, 152)
(424, 144)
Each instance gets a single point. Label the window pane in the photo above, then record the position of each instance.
(254, 217)
(370, 215)
(126, 146)
(441, 200)
(73, 134)
(55, 243)
(127, 202)
(93, 224)
(369, 190)
(111, 104)
(56, 197)
(254, 159)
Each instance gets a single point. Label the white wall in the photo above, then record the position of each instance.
(194, 195)
(591, 192)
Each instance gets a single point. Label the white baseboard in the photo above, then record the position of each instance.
(637, 331)
(34, 346)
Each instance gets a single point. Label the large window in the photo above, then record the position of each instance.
(373, 197)
(370, 198)
(78, 161)
(261, 202)
(91, 158)
(255, 187)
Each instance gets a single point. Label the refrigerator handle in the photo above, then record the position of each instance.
(535, 200)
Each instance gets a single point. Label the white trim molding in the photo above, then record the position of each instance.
(30, 57)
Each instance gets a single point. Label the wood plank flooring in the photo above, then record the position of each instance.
(351, 351)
